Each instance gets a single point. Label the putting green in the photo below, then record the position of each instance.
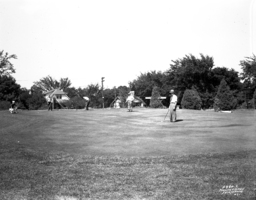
(117, 132)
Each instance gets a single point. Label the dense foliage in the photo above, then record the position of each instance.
(48, 83)
(6, 67)
(191, 100)
(9, 89)
(224, 99)
(185, 74)
(155, 101)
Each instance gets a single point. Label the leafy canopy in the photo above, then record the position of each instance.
(6, 67)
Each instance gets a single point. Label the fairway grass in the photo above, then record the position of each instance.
(114, 154)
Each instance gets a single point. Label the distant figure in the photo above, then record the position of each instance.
(117, 103)
(173, 106)
(129, 100)
(49, 102)
(13, 108)
(87, 102)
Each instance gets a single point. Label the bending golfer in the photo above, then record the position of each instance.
(173, 106)
(87, 102)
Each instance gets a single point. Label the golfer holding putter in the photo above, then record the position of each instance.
(172, 107)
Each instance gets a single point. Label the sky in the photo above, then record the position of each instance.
(85, 40)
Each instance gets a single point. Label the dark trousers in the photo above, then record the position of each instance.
(49, 105)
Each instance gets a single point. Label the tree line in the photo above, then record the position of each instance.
(197, 82)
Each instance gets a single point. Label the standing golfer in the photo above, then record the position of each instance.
(173, 105)
(129, 100)
(49, 102)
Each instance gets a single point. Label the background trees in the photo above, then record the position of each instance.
(48, 83)
(184, 74)
(6, 67)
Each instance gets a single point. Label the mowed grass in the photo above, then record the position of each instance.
(115, 154)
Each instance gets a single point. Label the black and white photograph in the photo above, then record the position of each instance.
(127, 100)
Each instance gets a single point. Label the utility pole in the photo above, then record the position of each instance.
(102, 80)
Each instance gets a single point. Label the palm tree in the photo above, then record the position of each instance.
(48, 83)
(6, 67)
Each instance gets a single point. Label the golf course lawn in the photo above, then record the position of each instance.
(115, 154)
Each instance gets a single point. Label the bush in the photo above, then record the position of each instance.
(67, 104)
(4, 105)
(77, 102)
(191, 100)
(224, 99)
(248, 105)
(155, 101)
(36, 101)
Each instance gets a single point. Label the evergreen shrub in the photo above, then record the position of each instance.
(224, 100)
(191, 100)
(155, 101)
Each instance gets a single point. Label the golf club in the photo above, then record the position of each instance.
(166, 114)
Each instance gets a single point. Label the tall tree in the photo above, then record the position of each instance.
(249, 69)
(9, 89)
(224, 99)
(191, 72)
(249, 76)
(6, 67)
(49, 83)
(155, 101)
(145, 83)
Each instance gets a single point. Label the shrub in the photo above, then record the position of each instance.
(36, 101)
(4, 105)
(224, 99)
(191, 100)
(67, 104)
(155, 101)
(77, 102)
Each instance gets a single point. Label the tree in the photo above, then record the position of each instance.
(6, 67)
(145, 83)
(9, 89)
(191, 100)
(94, 93)
(122, 92)
(48, 83)
(109, 96)
(24, 98)
(155, 101)
(224, 99)
(189, 72)
(249, 68)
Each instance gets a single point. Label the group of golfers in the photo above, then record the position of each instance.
(129, 100)
(172, 107)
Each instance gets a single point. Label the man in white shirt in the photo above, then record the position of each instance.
(129, 100)
(87, 102)
(172, 107)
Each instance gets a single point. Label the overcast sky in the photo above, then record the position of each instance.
(85, 40)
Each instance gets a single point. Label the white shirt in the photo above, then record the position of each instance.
(174, 99)
(130, 98)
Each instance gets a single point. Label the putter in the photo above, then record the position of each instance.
(166, 114)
